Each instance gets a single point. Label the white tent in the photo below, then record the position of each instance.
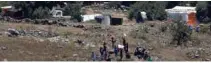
(180, 12)
(90, 17)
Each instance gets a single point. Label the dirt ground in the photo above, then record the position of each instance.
(29, 48)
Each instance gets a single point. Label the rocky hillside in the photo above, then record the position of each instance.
(51, 42)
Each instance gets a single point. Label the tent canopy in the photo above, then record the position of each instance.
(182, 13)
(181, 9)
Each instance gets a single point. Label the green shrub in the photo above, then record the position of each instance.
(74, 10)
(163, 28)
(204, 29)
(180, 32)
(41, 13)
(154, 10)
(130, 14)
(140, 33)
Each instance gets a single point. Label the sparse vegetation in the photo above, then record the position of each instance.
(140, 32)
(163, 28)
(204, 29)
(51, 42)
(180, 32)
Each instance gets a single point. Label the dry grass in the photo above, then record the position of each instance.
(28, 48)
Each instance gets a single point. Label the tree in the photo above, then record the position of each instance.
(74, 10)
(172, 4)
(41, 13)
(154, 10)
(202, 11)
(180, 32)
(28, 7)
(209, 9)
(114, 4)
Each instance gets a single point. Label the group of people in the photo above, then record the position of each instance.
(119, 51)
(142, 54)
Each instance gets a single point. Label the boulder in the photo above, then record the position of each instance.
(75, 55)
(79, 26)
(3, 48)
(62, 24)
(5, 60)
(37, 21)
(58, 39)
(12, 32)
(44, 21)
(27, 20)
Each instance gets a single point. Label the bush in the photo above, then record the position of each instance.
(140, 33)
(114, 4)
(74, 10)
(201, 11)
(204, 29)
(163, 28)
(180, 32)
(41, 13)
(154, 10)
(130, 15)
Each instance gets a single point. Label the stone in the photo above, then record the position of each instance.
(5, 60)
(62, 24)
(56, 56)
(60, 46)
(13, 32)
(196, 55)
(3, 48)
(74, 55)
(28, 52)
(207, 59)
(27, 20)
(150, 48)
(155, 58)
(92, 45)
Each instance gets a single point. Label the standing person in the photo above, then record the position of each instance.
(113, 41)
(101, 53)
(115, 51)
(105, 55)
(104, 51)
(139, 18)
(94, 57)
(126, 47)
(104, 47)
(101, 50)
(124, 41)
(121, 54)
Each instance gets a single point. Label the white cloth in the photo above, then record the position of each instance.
(120, 46)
